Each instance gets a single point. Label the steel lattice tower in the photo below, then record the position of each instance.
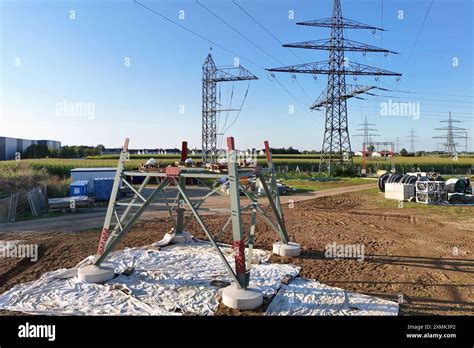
(452, 133)
(209, 87)
(412, 139)
(336, 143)
(211, 75)
(367, 131)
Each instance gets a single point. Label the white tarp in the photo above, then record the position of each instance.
(310, 297)
(176, 280)
(170, 281)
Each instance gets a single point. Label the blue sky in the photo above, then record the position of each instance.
(48, 58)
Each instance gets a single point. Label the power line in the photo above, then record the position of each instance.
(270, 33)
(430, 104)
(461, 113)
(419, 32)
(428, 93)
(438, 100)
(221, 47)
(237, 31)
(248, 39)
(198, 35)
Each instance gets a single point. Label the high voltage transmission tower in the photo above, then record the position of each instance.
(452, 133)
(336, 143)
(211, 75)
(412, 139)
(367, 131)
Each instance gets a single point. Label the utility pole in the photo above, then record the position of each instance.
(367, 132)
(336, 143)
(452, 133)
(211, 75)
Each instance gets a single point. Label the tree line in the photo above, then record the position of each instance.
(43, 151)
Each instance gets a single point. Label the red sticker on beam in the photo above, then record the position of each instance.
(184, 151)
(230, 143)
(267, 150)
(239, 253)
(172, 171)
(103, 239)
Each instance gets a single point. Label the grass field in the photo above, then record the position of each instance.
(61, 167)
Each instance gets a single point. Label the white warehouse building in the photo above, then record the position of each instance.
(10, 146)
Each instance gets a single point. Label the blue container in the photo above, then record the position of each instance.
(103, 188)
(78, 188)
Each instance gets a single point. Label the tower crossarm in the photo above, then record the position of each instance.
(336, 22)
(324, 68)
(351, 91)
(451, 128)
(347, 45)
(233, 73)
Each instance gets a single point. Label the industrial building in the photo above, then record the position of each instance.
(10, 146)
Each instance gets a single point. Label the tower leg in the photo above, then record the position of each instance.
(179, 237)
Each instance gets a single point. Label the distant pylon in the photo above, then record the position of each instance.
(367, 131)
(412, 138)
(452, 133)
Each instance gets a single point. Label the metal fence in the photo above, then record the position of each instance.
(8, 207)
(37, 200)
(33, 200)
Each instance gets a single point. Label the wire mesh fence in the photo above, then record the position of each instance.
(8, 207)
(37, 200)
(17, 204)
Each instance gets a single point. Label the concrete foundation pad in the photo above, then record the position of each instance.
(291, 249)
(250, 298)
(178, 238)
(94, 274)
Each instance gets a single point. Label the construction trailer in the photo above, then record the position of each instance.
(123, 214)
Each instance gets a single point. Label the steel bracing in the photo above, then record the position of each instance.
(336, 142)
(122, 214)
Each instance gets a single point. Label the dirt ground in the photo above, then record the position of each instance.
(408, 252)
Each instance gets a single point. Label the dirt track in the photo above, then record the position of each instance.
(408, 253)
(86, 219)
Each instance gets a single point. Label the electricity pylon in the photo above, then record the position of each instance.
(367, 131)
(452, 133)
(336, 143)
(412, 138)
(211, 75)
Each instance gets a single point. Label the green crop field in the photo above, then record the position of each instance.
(61, 167)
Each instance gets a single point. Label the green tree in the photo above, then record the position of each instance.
(36, 151)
